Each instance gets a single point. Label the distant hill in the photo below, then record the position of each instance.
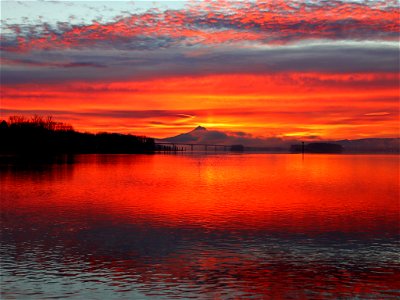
(371, 145)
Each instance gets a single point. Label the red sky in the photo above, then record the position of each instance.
(286, 69)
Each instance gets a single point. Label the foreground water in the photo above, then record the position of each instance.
(216, 226)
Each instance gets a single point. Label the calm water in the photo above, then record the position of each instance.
(217, 226)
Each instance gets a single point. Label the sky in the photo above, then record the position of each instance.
(282, 69)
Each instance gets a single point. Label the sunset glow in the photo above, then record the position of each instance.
(199, 149)
(317, 69)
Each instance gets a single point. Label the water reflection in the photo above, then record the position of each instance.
(223, 226)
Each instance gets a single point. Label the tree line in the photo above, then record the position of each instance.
(42, 135)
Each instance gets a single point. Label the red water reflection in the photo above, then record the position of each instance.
(272, 225)
(282, 192)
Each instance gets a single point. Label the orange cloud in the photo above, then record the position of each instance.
(237, 66)
(296, 104)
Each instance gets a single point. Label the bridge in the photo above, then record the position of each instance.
(170, 146)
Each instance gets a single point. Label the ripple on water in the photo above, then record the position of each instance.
(261, 226)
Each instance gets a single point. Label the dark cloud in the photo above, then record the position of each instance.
(35, 63)
(138, 65)
(117, 114)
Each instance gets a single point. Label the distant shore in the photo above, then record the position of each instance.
(42, 136)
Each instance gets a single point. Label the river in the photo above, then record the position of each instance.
(217, 226)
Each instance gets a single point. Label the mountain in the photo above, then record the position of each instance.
(190, 137)
(202, 135)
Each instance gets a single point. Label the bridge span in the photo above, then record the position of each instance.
(170, 146)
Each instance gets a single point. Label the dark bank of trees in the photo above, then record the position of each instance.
(317, 148)
(42, 135)
(237, 148)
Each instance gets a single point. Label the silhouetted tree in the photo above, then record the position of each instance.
(44, 135)
(3, 124)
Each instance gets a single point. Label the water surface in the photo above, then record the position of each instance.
(201, 226)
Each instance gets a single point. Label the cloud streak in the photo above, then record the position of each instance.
(53, 67)
(272, 123)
